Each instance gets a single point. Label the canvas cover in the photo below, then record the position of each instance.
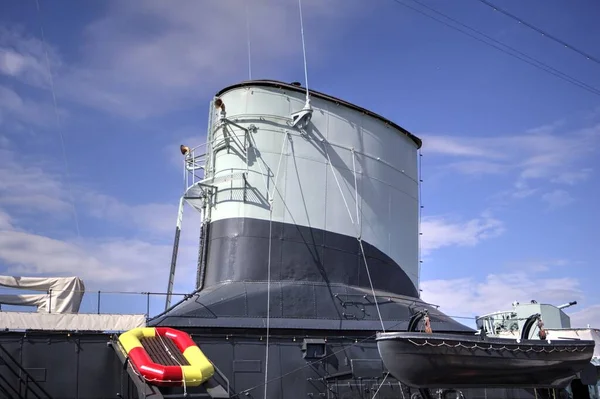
(59, 294)
(70, 321)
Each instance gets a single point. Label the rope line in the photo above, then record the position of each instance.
(358, 218)
(497, 347)
(380, 385)
(310, 364)
(303, 50)
(58, 122)
(268, 298)
(248, 42)
(338, 185)
(515, 53)
(161, 339)
(356, 225)
(362, 250)
(420, 205)
(271, 202)
(543, 33)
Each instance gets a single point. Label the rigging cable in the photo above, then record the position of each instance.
(248, 42)
(271, 200)
(542, 32)
(172, 356)
(380, 385)
(515, 53)
(357, 229)
(246, 391)
(304, 53)
(58, 121)
(420, 205)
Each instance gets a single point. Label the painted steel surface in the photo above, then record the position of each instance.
(348, 173)
(81, 365)
(198, 371)
(299, 255)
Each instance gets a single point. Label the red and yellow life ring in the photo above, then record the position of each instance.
(198, 371)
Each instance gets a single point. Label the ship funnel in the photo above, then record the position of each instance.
(351, 162)
(567, 305)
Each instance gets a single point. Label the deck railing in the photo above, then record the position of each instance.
(111, 302)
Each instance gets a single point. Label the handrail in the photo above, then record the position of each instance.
(28, 376)
(13, 389)
(105, 302)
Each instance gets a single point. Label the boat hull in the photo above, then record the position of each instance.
(423, 360)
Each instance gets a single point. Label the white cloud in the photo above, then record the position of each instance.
(28, 254)
(588, 316)
(29, 187)
(5, 221)
(532, 279)
(548, 128)
(439, 232)
(557, 198)
(147, 58)
(573, 177)
(539, 155)
(113, 264)
(452, 146)
(24, 57)
(137, 261)
(26, 111)
(154, 218)
(470, 297)
(28, 184)
(539, 265)
(479, 167)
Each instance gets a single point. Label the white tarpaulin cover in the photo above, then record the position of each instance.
(61, 294)
(70, 322)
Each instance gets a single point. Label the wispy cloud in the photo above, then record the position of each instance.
(529, 156)
(154, 218)
(589, 316)
(539, 265)
(149, 58)
(573, 177)
(13, 107)
(534, 160)
(471, 297)
(462, 147)
(29, 185)
(5, 220)
(439, 232)
(557, 198)
(137, 260)
(23, 57)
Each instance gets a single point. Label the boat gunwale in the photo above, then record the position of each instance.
(449, 337)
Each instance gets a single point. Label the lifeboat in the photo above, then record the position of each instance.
(442, 360)
(165, 356)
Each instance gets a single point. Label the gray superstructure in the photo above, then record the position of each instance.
(300, 201)
(294, 196)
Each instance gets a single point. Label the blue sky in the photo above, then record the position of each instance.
(510, 156)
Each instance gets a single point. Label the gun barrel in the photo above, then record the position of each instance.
(566, 305)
